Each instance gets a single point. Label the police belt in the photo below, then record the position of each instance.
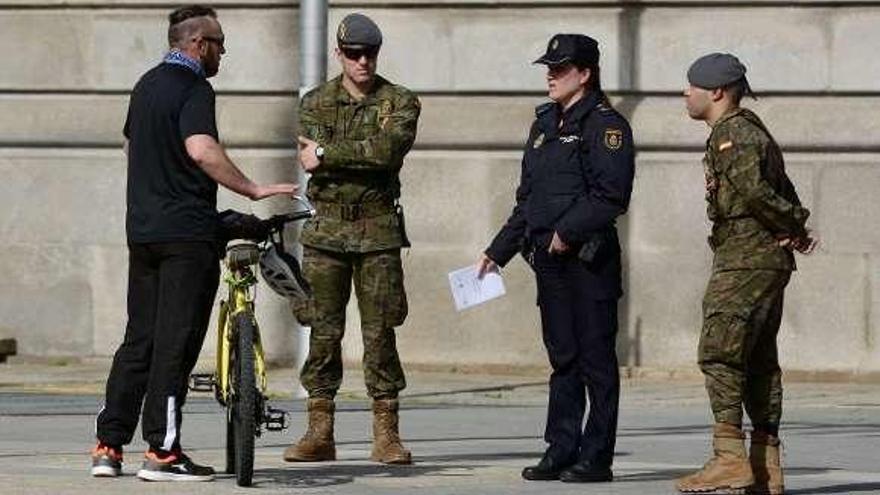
(722, 229)
(354, 211)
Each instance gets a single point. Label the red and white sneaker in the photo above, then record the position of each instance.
(106, 461)
(173, 466)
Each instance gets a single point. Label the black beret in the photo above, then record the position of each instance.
(358, 29)
(716, 70)
(576, 49)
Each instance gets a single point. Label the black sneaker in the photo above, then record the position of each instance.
(106, 461)
(175, 466)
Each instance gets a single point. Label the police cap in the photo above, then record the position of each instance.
(577, 49)
(358, 30)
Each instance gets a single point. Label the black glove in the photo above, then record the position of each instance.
(237, 225)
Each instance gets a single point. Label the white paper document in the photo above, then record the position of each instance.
(469, 291)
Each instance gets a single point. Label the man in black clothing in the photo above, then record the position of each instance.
(174, 165)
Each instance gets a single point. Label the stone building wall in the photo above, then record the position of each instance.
(66, 68)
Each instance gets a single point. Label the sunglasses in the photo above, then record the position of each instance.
(356, 53)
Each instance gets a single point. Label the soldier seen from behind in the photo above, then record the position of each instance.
(757, 221)
(355, 132)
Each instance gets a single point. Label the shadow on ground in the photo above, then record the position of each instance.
(672, 474)
(323, 475)
(366, 442)
(313, 476)
(842, 488)
(802, 428)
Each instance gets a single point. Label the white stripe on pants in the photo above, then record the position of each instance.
(170, 424)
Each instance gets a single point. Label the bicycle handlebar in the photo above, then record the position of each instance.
(277, 222)
(241, 226)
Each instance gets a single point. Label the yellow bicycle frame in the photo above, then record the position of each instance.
(240, 300)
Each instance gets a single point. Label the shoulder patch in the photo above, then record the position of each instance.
(613, 139)
(726, 145)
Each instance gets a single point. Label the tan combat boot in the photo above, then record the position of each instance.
(764, 456)
(317, 444)
(728, 471)
(387, 448)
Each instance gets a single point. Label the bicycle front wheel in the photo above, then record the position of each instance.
(245, 399)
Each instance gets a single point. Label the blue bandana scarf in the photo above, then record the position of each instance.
(179, 58)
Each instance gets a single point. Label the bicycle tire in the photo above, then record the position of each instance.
(245, 400)
(227, 400)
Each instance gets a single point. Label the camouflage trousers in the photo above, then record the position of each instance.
(742, 311)
(378, 285)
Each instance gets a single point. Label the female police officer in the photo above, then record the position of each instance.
(577, 173)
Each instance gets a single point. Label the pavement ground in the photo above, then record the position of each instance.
(469, 433)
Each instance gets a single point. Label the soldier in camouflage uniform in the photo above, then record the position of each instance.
(757, 220)
(356, 130)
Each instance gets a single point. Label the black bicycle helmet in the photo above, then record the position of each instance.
(281, 271)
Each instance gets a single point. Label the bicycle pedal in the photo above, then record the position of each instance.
(201, 382)
(275, 419)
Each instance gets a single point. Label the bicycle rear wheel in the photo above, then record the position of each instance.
(245, 399)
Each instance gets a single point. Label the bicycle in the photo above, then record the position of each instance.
(239, 381)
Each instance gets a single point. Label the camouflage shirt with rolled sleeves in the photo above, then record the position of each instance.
(365, 142)
(751, 201)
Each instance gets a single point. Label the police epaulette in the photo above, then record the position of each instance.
(606, 109)
(543, 108)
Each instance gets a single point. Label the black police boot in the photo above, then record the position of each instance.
(546, 470)
(586, 472)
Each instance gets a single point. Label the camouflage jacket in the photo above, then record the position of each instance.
(751, 201)
(356, 187)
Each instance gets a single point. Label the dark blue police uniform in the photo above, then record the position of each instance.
(576, 179)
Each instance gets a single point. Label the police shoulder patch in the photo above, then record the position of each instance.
(726, 145)
(613, 138)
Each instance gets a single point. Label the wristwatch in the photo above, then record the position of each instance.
(319, 152)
